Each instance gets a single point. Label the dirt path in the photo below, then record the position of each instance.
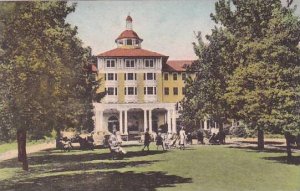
(31, 149)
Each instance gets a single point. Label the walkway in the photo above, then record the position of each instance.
(31, 149)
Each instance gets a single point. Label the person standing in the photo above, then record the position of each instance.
(147, 140)
(159, 141)
(200, 136)
(182, 138)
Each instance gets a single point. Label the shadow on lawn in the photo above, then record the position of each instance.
(283, 159)
(100, 181)
(255, 149)
(52, 157)
(280, 159)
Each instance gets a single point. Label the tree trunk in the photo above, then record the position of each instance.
(260, 139)
(58, 135)
(288, 146)
(22, 155)
(19, 146)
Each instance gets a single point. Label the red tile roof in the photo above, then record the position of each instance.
(128, 34)
(137, 52)
(177, 65)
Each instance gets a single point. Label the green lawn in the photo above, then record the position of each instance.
(198, 168)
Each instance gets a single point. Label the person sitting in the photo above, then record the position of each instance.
(115, 148)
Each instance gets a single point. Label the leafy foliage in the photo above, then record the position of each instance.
(44, 69)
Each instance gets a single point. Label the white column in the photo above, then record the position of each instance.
(97, 121)
(150, 121)
(205, 124)
(121, 121)
(101, 122)
(174, 128)
(145, 120)
(125, 123)
(169, 121)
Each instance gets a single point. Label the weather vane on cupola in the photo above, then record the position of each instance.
(128, 22)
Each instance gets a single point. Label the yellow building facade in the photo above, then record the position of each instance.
(142, 87)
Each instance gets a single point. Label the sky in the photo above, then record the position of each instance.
(167, 27)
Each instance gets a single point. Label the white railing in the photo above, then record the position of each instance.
(131, 99)
(111, 99)
(150, 98)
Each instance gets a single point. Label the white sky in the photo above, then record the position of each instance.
(167, 27)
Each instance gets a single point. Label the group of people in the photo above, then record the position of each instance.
(167, 141)
(164, 141)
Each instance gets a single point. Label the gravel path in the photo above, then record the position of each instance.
(31, 149)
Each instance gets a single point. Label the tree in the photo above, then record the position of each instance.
(264, 88)
(204, 93)
(45, 70)
(250, 68)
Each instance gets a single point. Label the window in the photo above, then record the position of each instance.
(174, 76)
(166, 76)
(110, 63)
(149, 63)
(130, 76)
(183, 91)
(166, 91)
(129, 42)
(110, 76)
(150, 76)
(129, 63)
(175, 91)
(111, 91)
(130, 90)
(150, 90)
(183, 76)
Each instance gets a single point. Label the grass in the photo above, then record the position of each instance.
(13, 145)
(197, 168)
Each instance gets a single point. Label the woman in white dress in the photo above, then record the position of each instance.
(182, 138)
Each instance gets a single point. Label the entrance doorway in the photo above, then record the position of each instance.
(113, 121)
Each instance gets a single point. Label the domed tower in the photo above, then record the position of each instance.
(129, 39)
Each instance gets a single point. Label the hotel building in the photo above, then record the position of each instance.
(142, 87)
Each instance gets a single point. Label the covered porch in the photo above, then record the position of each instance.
(131, 119)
